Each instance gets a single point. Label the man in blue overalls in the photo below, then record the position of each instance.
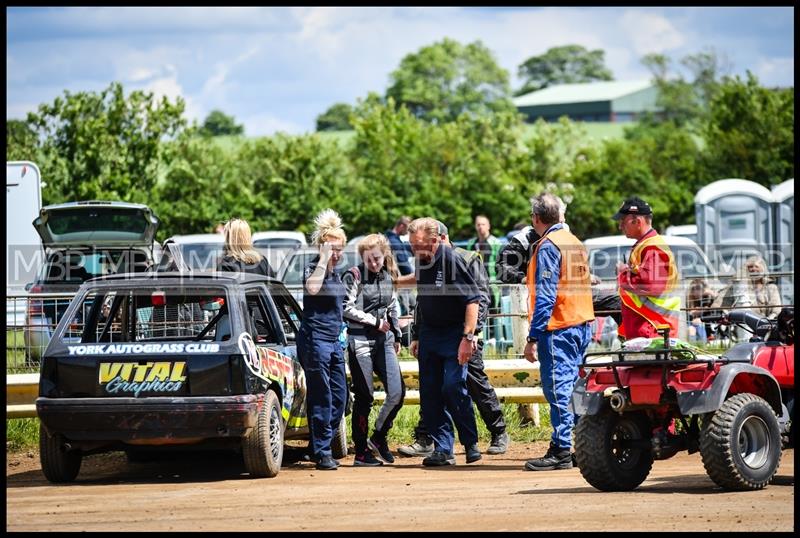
(560, 310)
(447, 302)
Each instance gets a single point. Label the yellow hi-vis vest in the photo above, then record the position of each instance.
(573, 304)
(664, 309)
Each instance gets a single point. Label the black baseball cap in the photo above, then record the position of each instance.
(442, 228)
(633, 206)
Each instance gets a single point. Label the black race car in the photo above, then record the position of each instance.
(166, 359)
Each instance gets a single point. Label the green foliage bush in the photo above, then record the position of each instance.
(109, 145)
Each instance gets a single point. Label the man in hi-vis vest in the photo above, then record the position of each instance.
(648, 282)
(560, 311)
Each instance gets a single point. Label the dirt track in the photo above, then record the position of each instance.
(211, 492)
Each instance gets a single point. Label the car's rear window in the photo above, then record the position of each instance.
(77, 266)
(151, 315)
(98, 219)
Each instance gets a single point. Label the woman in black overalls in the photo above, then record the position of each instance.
(318, 346)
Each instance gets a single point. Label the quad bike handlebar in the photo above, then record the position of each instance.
(780, 329)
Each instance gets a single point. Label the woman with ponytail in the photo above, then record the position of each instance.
(370, 309)
(318, 347)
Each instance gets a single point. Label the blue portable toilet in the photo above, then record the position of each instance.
(734, 221)
(783, 250)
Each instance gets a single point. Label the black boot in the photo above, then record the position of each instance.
(556, 458)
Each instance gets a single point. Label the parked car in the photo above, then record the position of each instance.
(170, 360)
(83, 240)
(194, 252)
(689, 231)
(276, 245)
(291, 271)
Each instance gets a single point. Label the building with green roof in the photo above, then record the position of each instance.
(613, 101)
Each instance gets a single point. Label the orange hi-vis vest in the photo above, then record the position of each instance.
(661, 310)
(573, 304)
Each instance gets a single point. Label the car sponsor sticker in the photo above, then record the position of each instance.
(120, 349)
(126, 378)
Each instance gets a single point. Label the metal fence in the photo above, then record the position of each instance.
(29, 328)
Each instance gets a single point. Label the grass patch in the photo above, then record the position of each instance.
(402, 431)
(22, 434)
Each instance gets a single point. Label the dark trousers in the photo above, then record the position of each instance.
(368, 354)
(323, 364)
(443, 388)
(481, 392)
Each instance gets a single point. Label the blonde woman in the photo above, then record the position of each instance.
(318, 346)
(370, 310)
(239, 254)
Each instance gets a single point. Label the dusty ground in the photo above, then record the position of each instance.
(212, 492)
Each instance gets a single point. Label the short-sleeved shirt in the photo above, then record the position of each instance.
(445, 287)
(323, 312)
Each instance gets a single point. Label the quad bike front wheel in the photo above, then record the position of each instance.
(741, 443)
(613, 450)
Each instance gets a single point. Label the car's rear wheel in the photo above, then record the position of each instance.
(59, 464)
(339, 443)
(613, 450)
(741, 444)
(263, 446)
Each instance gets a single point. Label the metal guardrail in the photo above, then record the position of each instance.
(515, 381)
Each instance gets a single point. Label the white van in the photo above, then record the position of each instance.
(276, 245)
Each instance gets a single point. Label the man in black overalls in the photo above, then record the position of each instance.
(448, 303)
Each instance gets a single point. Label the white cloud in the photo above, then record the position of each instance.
(268, 124)
(774, 71)
(650, 32)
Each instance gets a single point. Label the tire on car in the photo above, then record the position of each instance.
(339, 442)
(58, 463)
(262, 448)
(612, 450)
(741, 443)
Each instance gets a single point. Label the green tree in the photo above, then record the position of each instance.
(450, 171)
(750, 132)
(191, 196)
(21, 143)
(568, 64)
(685, 102)
(104, 145)
(441, 81)
(217, 123)
(336, 118)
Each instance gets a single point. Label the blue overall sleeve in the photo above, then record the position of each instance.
(548, 271)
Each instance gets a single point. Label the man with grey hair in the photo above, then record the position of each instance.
(478, 384)
(448, 303)
(560, 311)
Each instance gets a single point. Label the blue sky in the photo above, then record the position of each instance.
(276, 69)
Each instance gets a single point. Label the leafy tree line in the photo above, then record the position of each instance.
(417, 160)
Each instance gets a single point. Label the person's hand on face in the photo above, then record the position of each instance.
(330, 252)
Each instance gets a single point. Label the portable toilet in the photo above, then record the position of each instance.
(783, 250)
(734, 221)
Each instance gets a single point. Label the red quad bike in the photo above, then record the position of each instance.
(642, 406)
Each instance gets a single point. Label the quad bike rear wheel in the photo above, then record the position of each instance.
(741, 443)
(613, 450)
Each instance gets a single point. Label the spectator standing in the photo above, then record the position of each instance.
(400, 249)
(370, 309)
(238, 254)
(318, 346)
